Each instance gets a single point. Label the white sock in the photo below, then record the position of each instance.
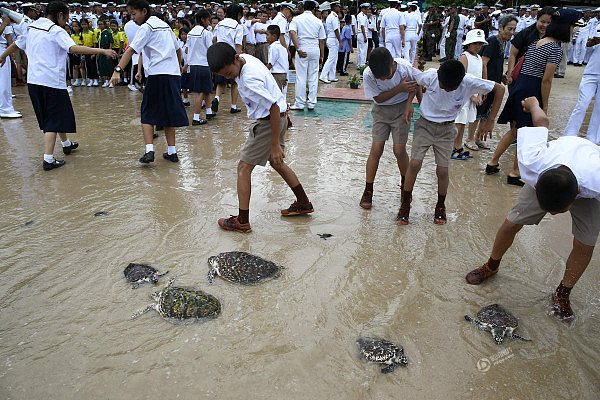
(203, 103)
(217, 97)
(49, 158)
(196, 117)
(149, 147)
(66, 143)
(233, 106)
(209, 110)
(171, 150)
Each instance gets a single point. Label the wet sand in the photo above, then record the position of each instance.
(65, 308)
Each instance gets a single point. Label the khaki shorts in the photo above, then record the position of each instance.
(440, 136)
(257, 149)
(19, 57)
(585, 215)
(280, 79)
(388, 119)
(250, 49)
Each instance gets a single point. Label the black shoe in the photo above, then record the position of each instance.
(171, 157)
(214, 105)
(210, 116)
(186, 103)
(492, 169)
(147, 158)
(514, 180)
(159, 128)
(343, 74)
(558, 76)
(67, 150)
(199, 122)
(234, 110)
(55, 164)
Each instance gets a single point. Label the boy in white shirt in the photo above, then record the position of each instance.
(447, 90)
(278, 60)
(267, 105)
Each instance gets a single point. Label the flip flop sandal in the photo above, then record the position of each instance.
(482, 145)
(471, 146)
(460, 155)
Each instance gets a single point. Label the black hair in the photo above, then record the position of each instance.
(556, 189)
(234, 11)
(559, 30)
(348, 19)
(274, 30)
(202, 14)
(113, 21)
(309, 5)
(451, 74)
(182, 30)
(545, 11)
(159, 16)
(140, 5)
(214, 17)
(220, 55)
(55, 8)
(381, 62)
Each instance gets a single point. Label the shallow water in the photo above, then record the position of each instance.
(66, 331)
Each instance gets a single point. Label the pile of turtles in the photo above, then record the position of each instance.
(179, 303)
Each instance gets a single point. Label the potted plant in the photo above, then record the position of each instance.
(420, 56)
(354, 81)
(361, 69)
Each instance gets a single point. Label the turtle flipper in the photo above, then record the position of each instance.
(161, 275)
(515, 336)
(145, 310)
(211, 276)
(137, 285)
(389, 368)
(476, 323)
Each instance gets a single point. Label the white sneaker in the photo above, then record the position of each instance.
(132, 87)
(95, 83)
(70, 90)
(324, 80)
(296, 107)
(75, 82)
(90, 83)
(110, 85)
(334, 80)
(105, 84)
(11, 115)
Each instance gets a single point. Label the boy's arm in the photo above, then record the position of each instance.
(404, 86)
(488, 127)
(538, 116)
(277, 155)
(9, 50)
(408, 110)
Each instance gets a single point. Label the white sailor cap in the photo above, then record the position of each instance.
(534, 7)
(403, 6)
(365, 5)
(324, 6)
(288, 5)
(28, 5)
(497, 12)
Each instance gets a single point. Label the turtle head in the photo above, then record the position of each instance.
(498, 335)
(212, 261)
(401, 359)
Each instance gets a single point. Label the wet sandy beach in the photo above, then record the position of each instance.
(65, 327)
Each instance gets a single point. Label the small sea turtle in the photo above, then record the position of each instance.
(498, 321)
(182, 303)
(241, 267)
(324, 236)
(383, 352)
(140, 273)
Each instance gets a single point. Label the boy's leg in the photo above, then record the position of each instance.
(240, 223)
(460, 128)
(366, 200)
(505, 142)
(234, 98)
(439, 216)
(471, 131)
(443, 136)
(302, 205)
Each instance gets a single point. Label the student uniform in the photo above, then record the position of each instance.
(309, 30)
(281, 21)
(6, 105)
(411, 35)
(362, 42)
(262, 47)
(387, 115)
(588, 89)
(250, 38)
(279, 64)
(231, 32)
(258, 89)
(536, 155)
(332, 24)
(161, 102)
(391, 22)
(199, 40)
(344, 53)
(468, 113)
(46, 45)
(439, 109)
(89, 40)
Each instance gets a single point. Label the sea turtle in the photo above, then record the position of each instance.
(182, 303)
(140, 273)
(383, 352)
(498, 321)
(241, 267)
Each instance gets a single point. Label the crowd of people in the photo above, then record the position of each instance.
(177, 49)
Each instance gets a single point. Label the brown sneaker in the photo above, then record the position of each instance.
(297, 209)
(480, 274)
(403, 214)
(561, 308)
(232, 224)
(366, 201)
(439, 216)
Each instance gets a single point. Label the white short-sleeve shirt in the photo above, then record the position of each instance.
(281, 22)
(250, 38)
(332, 23)
(258, 88)
(536, 155)
(46, 45)
(8, 30)
(229, 31)
(260, 37)
(198, 42)
(158, 43)
(130, 29)
(391, 21)
(309, 30)
(438, 105)
(374, 87)
(412, 21)
(278, 58)
(362, 20)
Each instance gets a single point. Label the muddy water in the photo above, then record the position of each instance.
(65, 331)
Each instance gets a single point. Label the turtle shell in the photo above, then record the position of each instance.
(242, 267)
(182, 303)
(496, 316)
(379, 350)
(137, 272)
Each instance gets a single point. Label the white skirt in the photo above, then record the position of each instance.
(467, 114)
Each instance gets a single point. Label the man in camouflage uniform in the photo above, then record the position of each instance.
(451, 35)
(432, 33)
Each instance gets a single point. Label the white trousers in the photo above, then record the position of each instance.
(460, 38)
(307, 70)
(328, 71)
(579, 50)
(6, 106)
(443, 45)
(361, 47)
(410, 46)
(394, 44)
(588, 89)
